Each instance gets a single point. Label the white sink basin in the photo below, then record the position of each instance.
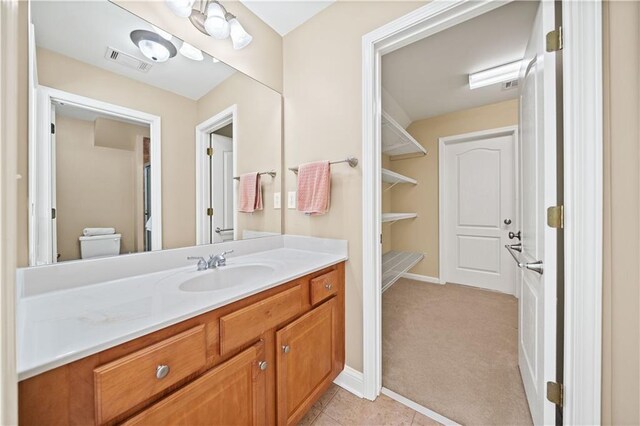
(226, 276)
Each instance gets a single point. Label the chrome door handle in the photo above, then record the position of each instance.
(532, 266)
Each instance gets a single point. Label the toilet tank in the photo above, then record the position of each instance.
(99, 246)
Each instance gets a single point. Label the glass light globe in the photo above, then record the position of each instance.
(182, 8)
(216, 24)
(154, 50)
(191, 52)
(239, 36)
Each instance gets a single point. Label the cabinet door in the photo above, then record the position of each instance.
(230, 394)
(306, 353)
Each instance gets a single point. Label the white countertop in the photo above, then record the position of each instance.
(57, 327)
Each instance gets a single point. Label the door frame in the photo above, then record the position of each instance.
(583, 175)
(443, 142)
(210, 125)
(40, 163)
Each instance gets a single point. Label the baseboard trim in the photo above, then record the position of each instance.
(351, 380)
(423, 278)
(419, 408)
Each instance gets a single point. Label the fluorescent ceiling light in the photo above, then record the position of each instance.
(499, 74)
(188, 51)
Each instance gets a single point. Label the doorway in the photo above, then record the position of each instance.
(80, 148)
(582, 116)
(216, 165)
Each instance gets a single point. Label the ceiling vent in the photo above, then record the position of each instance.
(507, 85)
(127, 60)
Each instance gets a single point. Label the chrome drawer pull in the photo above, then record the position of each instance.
(162, 371)
(263, 365)
(328, 286)
(286, 349)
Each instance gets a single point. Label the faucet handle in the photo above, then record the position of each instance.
(226, 252)
(202, 263)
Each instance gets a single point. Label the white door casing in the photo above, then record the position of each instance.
(538, 299)
(478, 208)
(42, 180)
(222, 187)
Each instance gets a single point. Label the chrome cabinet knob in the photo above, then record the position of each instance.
(286, 349)
(263, 365)
(328, 286)
(162, 371)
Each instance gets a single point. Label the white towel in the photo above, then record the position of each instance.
(87, 232)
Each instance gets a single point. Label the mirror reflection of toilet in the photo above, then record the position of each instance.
(106, 243)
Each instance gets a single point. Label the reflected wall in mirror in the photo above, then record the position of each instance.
(135, 149)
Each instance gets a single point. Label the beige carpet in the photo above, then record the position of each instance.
(453, 349)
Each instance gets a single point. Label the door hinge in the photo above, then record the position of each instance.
(555, 217)
(555, 40)
(209, 211)
(210, 152)
(555, 393)
(53, 213)
(53, 129)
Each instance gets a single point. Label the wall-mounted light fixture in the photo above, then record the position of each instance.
(499, 74)
(153, 46)
(212, 19)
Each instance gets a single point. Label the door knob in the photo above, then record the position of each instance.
(507, 221)
(517, 235)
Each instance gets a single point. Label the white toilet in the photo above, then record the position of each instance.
(100, 246)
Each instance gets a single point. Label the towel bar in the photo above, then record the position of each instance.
(272, 174)
(353, 161)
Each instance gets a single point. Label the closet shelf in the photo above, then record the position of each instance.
(394, 178)
(396, 140)
(393, 217)
(396, 263)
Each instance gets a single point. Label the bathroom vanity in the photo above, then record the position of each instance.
(260, 349)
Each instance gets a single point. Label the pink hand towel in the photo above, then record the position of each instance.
(314, 188)
(250, 193)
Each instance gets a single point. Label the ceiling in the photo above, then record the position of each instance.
(431, 77)
(285, 16)
(84, 29)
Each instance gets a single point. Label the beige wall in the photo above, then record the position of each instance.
(259, 141)
(95, 182)
(262, 59)
(322, 90)
(421, 234)
(621, 292)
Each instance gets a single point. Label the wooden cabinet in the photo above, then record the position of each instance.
(224, 367)
(233, 393)
(306, 351)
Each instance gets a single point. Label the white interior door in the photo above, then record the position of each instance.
(222, 188)
(537, 302)
(479, 209)
(54, 206)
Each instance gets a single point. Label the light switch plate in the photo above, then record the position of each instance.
(291, 201)
(277, 202)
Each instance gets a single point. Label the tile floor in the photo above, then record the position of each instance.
(337, 407)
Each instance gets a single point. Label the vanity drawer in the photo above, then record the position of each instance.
(240, 327)
(323, 287)
(128, 381)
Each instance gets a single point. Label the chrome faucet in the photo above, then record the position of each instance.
(218, 259)
(202, 264)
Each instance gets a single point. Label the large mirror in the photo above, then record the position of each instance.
(139, 141)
